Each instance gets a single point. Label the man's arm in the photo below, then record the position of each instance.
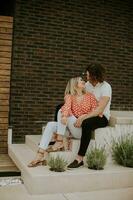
(101, 106)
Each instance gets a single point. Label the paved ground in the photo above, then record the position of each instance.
(8, 181)
(12, 188)
(19, 192)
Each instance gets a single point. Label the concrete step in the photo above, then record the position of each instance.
(41, 180)
(32, 141)
(121, 118)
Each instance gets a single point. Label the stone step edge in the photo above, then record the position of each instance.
(36, 176)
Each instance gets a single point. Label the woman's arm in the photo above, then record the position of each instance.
(66, 109)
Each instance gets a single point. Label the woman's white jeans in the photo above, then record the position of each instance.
(59, 128)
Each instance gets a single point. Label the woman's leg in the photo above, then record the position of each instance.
(71, 132)
(48, 132)
(61, 129)
(75, 132)
(51, 128)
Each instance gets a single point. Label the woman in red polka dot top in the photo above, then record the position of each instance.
(78, 103)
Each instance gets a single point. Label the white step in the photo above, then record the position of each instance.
(41, 180)
(115, 194)
(121, 117)
(32, 141)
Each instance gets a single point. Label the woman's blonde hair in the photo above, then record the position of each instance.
(71, 87)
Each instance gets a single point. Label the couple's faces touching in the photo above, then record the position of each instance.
(81, 82)
(88, 77)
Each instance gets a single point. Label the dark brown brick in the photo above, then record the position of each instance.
(55, 40)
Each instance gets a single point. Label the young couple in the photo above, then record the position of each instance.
(86, 107)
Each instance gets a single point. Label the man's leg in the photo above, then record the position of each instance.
(88, 126)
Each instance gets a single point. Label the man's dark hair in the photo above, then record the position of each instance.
(96, 72)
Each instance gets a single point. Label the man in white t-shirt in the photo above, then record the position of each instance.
(99, 117)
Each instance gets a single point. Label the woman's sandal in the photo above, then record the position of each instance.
(38, 162)
(68, 144)
(60, 148)
(52, 142)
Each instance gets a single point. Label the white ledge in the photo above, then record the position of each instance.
(121, 117)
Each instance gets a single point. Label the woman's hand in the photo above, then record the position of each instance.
(79, 121)
(64, 120)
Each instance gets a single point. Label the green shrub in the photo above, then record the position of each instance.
(96, 158)
(122, 150)
(57, 164)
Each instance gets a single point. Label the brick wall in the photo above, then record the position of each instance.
(55, 40)
(6, 24)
